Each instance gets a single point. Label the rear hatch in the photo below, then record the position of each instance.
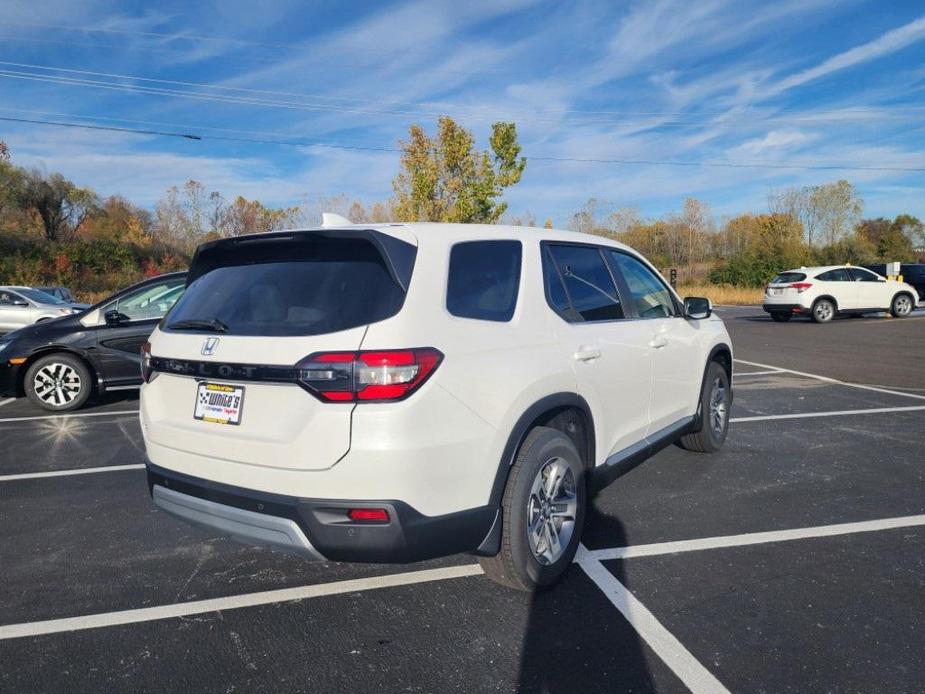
(786, 286)
(224, 379)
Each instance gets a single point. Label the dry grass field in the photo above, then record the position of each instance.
(723, 293)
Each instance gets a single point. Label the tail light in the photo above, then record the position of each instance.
(367, 376)
(147, 373)
(801, 286)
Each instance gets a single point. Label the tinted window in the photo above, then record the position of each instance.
(9, 297)
(588, 286)
(40, 297)
(283, 289)
(859, 275)
(833, 276)
(788, 277)
(651, 296)
(483, 279)
(149, 302)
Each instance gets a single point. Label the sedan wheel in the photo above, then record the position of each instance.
(58, 382)
(902, 306)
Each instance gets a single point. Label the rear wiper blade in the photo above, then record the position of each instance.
(213, 324)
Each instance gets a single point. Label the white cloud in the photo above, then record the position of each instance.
(772, 143)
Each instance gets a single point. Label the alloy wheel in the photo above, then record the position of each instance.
(823, 311)
(903, 305)
(57, 384)
(718, 410)
(551, 511)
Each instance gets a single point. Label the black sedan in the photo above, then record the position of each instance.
(59, 364)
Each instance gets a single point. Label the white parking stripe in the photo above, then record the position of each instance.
(736, 374)
(687, 668)
(833, 380)
(233, 602)
(120, 413)
(7, 401)
(65, 473)
(754, 538)
(835, 413)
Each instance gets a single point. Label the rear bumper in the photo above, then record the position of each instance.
(783, 308)
(319, 528)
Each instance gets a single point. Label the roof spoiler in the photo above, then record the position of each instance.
(329, 220)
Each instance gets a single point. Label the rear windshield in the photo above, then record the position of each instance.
(308, 288)
(788, 277)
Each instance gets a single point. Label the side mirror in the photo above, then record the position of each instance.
(20, 302)
(697, 307)
(113, 318)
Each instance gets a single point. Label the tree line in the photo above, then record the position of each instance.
(53, 231)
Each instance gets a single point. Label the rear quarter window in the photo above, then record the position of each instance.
(484, 279)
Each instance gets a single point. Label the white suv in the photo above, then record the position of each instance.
(392, 393)
(823, 292)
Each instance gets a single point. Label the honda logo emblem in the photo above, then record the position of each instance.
(209, 346)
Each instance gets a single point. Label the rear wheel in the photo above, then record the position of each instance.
(823, 311)
(713, 413)
(781, 316)
(542, 513)
(902, 306)
(58, 382)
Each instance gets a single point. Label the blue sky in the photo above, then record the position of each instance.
(808, 83)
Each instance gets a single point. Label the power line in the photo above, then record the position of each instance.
(584, 160)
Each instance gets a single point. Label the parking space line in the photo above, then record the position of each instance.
(736, 374)
(666, 646)
(7, 401)
(834, 413)
(233, 602)
(678, 546)
(833, 380)
(119, 413)
(65, 473)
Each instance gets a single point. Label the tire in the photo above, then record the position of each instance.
(781, 317)
(66, 379)
(901, 305)
(823, 311)
(531, 564)
(713, 413)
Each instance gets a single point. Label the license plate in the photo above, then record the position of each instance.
(219, 403)
(775, 291)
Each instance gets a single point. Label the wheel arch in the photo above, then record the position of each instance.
(56, 349)
(908, 293)
(829, 297)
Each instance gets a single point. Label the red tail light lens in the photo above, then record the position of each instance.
(147, 373)
(367, 376)
(801, 286)
(368, 515)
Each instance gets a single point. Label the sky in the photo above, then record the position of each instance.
(636, 104)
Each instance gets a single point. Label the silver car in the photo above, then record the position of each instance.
(21, 306)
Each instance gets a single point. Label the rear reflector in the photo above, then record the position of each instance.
(368, 515)
(367, 376)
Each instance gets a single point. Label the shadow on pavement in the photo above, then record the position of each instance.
(576, 640)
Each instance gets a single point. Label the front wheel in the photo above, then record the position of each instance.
(713, 413)
(542, 513)
(902, 306)
(58, 382)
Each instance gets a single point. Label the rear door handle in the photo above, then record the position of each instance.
(587, 354)
(658, 342)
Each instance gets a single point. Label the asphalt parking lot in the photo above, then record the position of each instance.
(793, 560)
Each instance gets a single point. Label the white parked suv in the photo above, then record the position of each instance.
(823, 292)
(396, 392)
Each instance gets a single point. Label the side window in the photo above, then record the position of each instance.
(484, 279)
(859, 275)
(579, 284)
(148, 303)
(837, 275)
(6, 298)
(651, 296)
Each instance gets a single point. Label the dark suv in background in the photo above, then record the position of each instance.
(913, 273)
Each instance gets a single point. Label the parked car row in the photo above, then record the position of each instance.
(824, 292)
(64, 355)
